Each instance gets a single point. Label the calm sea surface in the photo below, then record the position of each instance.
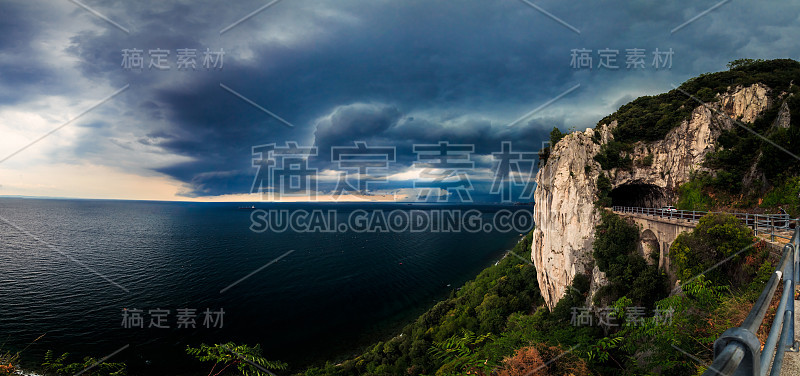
(336, 293)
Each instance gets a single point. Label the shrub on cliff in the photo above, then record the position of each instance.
(776, 163)
(556, 136)
(603, 190)
(615, 251)
(692, 197)
(717, 237)
(610, 156)
(787, 196)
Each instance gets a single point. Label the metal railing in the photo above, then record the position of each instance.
(738, 350)
(774, 225)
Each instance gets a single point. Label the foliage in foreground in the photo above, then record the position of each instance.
(246, 359)
(7, 361)
(88, 366)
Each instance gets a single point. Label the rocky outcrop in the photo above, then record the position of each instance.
(565, 214)
(782, 120)
(746, 103)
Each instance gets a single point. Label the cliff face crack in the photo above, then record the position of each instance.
(639, 195)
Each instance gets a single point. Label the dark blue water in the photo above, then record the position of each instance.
(336, 293)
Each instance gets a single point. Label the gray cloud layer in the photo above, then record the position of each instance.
(385, 72)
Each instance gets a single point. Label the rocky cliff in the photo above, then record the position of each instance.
(565, 211)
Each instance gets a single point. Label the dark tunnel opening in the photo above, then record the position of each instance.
(639, 195)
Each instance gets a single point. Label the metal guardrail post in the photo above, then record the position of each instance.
(774, 331)
(796, 244)
(793, 345)
(772, 234)
(751, 362)
(755, 225)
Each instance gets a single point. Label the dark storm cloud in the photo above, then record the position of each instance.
(386, 125)
(23, 74)
(384, 72)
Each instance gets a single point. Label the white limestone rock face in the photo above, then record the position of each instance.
(746, 103)
(564, 212)
(782, 121)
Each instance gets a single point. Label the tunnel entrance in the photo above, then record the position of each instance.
(639, 195)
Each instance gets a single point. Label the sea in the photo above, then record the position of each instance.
(142, 280)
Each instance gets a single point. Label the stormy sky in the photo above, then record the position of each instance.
(328, 74)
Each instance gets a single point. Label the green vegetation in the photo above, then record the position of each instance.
(717, 237)
(610, 155)
(615, 251)
(459, 353)
(246, 359)
(786, 196)
(646, 161)
(9, 360)
(777, 164)
(691, 196)
(650, 118)
(556, 136)
(89, 366)
(691, 320)
(497, 325)
(743, 63)
(603, 190)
